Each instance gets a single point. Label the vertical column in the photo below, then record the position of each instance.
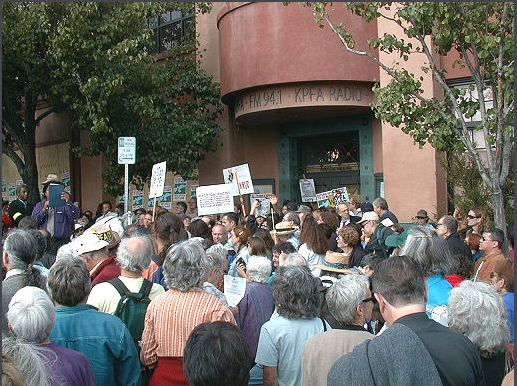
(367, 178)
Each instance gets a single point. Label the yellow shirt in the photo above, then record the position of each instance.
(105, 296)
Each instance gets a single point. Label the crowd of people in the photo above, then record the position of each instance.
(333, 296)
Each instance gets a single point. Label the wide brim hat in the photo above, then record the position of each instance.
(87, 242)
(422, 213)
(284, 228)
(335, 262)
(52, 178)
(104, 232)
(369, 216)
(396, 240)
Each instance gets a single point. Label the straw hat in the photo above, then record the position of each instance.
(104, 232)
(335, 262)
(284, 228)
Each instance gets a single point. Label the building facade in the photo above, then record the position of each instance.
(297, 105)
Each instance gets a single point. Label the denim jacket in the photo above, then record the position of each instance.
(103, 338)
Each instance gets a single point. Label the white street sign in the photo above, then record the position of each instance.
(158, 179)
(126, 150)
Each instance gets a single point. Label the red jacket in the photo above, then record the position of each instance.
(107, 270)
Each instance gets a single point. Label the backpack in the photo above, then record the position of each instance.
(132, 307)
(380, 248)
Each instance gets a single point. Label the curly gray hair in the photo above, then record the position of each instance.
(134, 253)
(258, 268)
(429, 251)
(296, 294)
(345, 295)
(186, 266)
(476, 310)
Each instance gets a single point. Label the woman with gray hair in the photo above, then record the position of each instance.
(20, 249)
(281, 340)
(31, 316)
(476, 310)
(257, 305)
(350, 301)
(215, 273)
(171, 317)
(432, 256)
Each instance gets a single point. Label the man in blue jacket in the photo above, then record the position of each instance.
(58, 221)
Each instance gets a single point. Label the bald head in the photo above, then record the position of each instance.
(219, 234)
(134, 253)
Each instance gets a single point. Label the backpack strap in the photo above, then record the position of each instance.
(146, 288)
(119, 286)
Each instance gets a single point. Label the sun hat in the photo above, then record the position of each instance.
(87, 242)
(51, 178)
(284, 228)
(369, 216)
(335, 262)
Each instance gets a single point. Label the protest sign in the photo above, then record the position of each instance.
(214, 199)
(240, 179)
(167, 195)
(5, 195)
(332, 198)
(158, 179)
(65, 178)
(340, 195)
(234, 289)
(265, 201)
(307, 190)
(180, 190)
(193, 191)
(12, 192)
(138, 199)
(325, 199)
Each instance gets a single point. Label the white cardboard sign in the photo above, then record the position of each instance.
(242, 174)
(212, 199)
(158, 179)
(307, 190)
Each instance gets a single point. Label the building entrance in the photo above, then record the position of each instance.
(332, 162)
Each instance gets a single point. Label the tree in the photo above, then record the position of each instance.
(482, 34)
(94, 60)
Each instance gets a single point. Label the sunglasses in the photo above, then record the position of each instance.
(421, 218)
(472, 217)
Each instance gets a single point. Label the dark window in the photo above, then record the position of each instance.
(170, 28)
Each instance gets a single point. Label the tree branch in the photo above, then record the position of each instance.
(44, 115)
(507, 149)
(9, 151)
(463, 134)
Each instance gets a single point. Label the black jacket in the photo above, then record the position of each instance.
(18, 206)
(457, 246)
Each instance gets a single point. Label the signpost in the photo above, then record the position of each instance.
(126, 156)
(157, 182)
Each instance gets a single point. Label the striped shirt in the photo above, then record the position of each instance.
(171, 317)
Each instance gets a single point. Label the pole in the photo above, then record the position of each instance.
(154, 208)
(240, 196)
(126, 187)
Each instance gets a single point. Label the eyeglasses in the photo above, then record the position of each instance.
(472, 217)
(420, 217)
(438, 224)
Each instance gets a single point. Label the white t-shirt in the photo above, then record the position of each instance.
(312, 259)
(280, 345)
(105, 296)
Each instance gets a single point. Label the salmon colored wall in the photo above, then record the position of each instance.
(412, 176)
(377, 146)
(268, 43)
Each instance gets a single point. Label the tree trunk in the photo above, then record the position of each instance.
(498, 206)
(30, 176)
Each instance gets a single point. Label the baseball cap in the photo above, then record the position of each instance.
(369, 216)
(304, 209)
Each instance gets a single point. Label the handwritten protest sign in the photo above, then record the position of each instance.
(234, 289)
(240, 179)
(307, 190)
(214, 199)
(158, 179)
(265, 201)
(340, 195)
